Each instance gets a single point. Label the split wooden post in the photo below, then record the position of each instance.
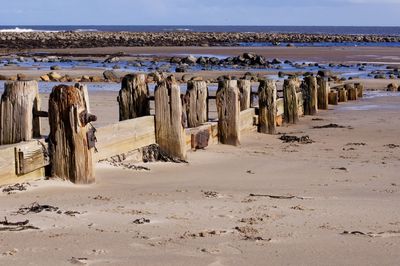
(310, 95)
(170, 135)
(323, 91)
(333, 97)
(133, 97)
(196, 103)
(360, 89)
(228, 106)
(352, 93)
(290, 101)
(245, 94)
(20, 104)
(342, 94)
(71, 139)
(267, 107)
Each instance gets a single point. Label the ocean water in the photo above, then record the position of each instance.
(394, 31)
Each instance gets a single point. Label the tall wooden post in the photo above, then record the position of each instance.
(290, 102)
(196, 103)
(228, 106)
(310, 95)
(133, 97)
(19, 104)
(360, 89)
(352, 93)
(245, 94)
(333, 97)
(71, 139)
(170, 135)
(267, 105)
(323, 91)
(342, 94)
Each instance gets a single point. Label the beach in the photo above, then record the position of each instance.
(202, 212)
(332, 200)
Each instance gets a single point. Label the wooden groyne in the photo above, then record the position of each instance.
(180, 122)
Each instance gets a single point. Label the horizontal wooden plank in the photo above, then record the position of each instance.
(124, 136)
(212, 127)
(247, 120)
(8, 162)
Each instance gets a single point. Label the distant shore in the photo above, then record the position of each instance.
(69, 39)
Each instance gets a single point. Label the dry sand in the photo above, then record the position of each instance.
(201, 213)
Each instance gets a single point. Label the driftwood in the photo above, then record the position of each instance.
(267, 107)
(323, 91)
(310, 95)
(278, 196)
(291, 109)
(291, 139)
(245, 94)
(196, 102)
(71, 140)
(228, 106)
(16, 226)
(133, 97)
(170, 135)
(19, 102)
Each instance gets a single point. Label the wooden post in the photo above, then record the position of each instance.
(333, 97)
(290, 101)
(323, 91)
(352, 93)
(228, 106)
(342, 94)
(170, 135)
(196, 103)
(245, 94)
(310, 95)
(360, 89)
(267, 105)
(133, 97)
(20, 103)
(71, 139)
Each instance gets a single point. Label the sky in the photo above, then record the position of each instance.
(201, 12)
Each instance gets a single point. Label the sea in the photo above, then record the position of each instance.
(392, 31)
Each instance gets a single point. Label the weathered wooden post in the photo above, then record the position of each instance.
(333, 97)
(352, 93)
(71, 138)
(196, 102)
(342, 94)
(310, 95)
(20, 104)
(360, 89)
(267, 107)
(133, 97)
(323, 91)
(290, 102)
(170, 135)
(245, 94)
(228, 106)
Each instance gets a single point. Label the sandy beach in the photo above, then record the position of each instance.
(332, 202)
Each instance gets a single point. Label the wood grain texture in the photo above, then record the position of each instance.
(291, 107)
(352, 93)
(245, 94)
(170, 135)
(133, 97)
(69, 151)
(310, 95)
(267, 95)
(196, 103)
(323, 91)
(18, 103)
(228, 106)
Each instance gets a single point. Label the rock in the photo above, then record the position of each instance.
(180, 69)
(45, 78)
(22, 77)
(55, 68)
(250, 56)
(116, 67)
(202, 60)
(175, 60)
(324, 73)
(54, 76)
(393, 87)
(276, 61)
(110, 75)
(95, 79)
(85, 78)
(190, 60)
(186, 78)
(112, 59)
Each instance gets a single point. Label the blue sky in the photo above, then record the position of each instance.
(201, 12)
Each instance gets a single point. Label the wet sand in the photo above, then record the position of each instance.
(201, 213)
